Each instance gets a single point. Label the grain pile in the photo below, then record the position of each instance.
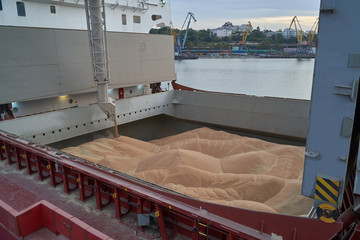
(212, 166)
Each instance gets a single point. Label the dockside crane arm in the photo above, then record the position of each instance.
(313, 31)
(246, 33)
(298, 29)
(188, 18)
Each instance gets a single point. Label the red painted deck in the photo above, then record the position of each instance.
(20, 191)
(45, 234)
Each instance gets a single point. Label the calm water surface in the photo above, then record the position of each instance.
(288, 78)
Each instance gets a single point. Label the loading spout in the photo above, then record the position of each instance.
(95, 17)
(106, 103)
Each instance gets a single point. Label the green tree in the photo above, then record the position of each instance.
(292, 40)
(264, 45)
(204, 36)
(189, 45)
(236, 37)
(277, 46)
(256, 36)
(154, 31)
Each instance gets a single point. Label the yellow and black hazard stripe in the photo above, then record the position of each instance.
(327, 190)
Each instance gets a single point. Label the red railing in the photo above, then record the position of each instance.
(175, 213)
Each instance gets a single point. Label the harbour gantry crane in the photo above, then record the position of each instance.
(244, 37)
(180, 44)
(299, 32)
(311, 36)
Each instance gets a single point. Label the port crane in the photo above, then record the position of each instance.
(299, 32)
(180, 44)
(311, 35)
(244, 37)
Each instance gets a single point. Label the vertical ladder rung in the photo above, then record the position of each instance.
(206, 226)
(201, 233)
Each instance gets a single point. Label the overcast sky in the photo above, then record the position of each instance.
(269, 14)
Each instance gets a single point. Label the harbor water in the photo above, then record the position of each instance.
(286, 78)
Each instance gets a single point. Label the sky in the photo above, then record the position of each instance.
(267, 14)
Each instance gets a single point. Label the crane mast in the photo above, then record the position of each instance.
(311, 35)
(244, 36)
(313, 31)
(299, 33)
(181, 43)
(298, 29)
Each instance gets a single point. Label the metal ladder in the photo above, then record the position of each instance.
(200, 233)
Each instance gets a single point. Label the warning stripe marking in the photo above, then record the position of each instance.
(323, 195)
(330, 186)
(327, 190)
(336, 183)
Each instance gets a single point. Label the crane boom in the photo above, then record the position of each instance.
(313, 31)
(181, 44)
(298, 29)
(245, 35)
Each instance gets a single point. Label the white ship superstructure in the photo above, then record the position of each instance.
(45, 52)
(137, 16)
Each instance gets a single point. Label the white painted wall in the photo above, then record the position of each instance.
(222, 32)
(73, 16)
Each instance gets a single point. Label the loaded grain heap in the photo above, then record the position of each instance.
(212, 166)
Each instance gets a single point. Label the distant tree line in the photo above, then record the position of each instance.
(198, 39)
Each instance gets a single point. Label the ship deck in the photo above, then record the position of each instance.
(20, 191)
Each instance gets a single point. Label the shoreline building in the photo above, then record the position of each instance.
(228, 29)
(288, 33)
(225, 30)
